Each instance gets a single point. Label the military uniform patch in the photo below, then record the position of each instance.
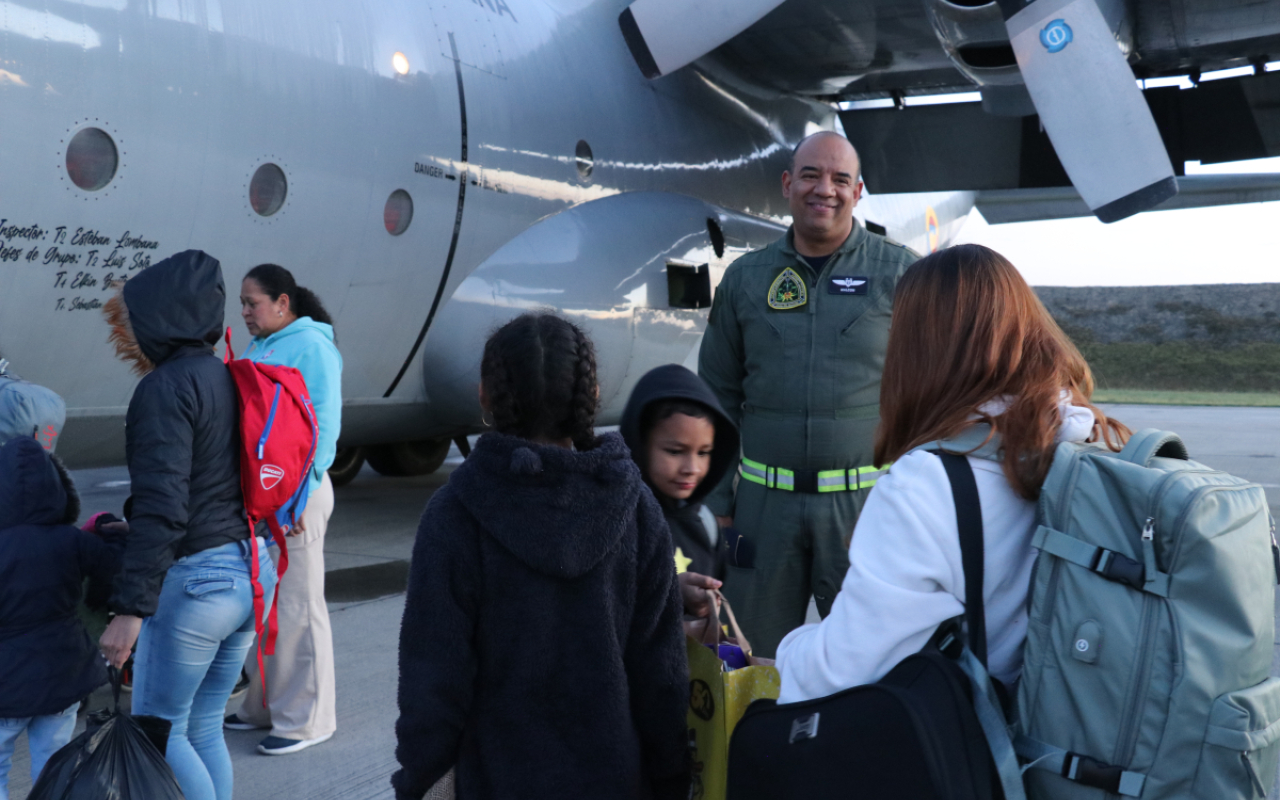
(788, 291)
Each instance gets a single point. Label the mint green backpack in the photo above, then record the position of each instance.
(1152, 625)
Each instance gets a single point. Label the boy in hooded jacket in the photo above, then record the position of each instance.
(50, 662)
(684, 444)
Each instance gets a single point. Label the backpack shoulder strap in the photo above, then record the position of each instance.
(964, 490)
(987, 701)
(1150, 443)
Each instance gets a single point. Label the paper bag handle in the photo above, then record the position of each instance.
(733, 623)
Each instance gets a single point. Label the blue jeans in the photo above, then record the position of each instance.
(189, 657)
(45, 736)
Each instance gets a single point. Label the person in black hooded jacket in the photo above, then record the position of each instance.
(684, 443)
(541, 652)
(187, 558)
(50, 662)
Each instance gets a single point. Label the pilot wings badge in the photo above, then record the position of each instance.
(848, 284)
(788, 291)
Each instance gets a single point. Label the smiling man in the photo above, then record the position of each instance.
(794, 349)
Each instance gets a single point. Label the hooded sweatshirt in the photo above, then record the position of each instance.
(307, 346)
(182, 428)
(49, 660)
(906, 574)
(690, 533)
(541, 652)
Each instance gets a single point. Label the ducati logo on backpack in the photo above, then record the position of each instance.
(270, 475)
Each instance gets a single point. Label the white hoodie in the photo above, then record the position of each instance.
(906, 578)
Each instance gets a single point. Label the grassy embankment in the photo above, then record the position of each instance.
(1185, 373)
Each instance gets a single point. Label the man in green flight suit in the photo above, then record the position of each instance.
(794, 350)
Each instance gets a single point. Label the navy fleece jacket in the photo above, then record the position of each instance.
(47, 660)
(541, 652)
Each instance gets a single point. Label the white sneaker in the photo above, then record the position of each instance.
(233, 722)
(279, 746)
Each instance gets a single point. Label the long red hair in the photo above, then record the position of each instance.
(968, 330)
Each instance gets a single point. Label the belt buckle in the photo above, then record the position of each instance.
(806, 481)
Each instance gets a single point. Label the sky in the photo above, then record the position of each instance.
(1221, 244)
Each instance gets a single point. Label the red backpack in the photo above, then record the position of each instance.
(278, 434)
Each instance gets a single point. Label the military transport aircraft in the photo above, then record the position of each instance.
(431, 168)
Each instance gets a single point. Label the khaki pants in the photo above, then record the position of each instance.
(301, 694)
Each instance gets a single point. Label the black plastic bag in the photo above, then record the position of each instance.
(119, 757)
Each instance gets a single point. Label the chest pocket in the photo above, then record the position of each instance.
(767, 333)
(772, 340)
(864, 312)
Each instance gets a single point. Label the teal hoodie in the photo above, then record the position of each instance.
(307, 346)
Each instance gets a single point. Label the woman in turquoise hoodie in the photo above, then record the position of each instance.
(291, 328)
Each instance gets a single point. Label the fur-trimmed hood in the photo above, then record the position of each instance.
(560, 511)
(35, 489)
(175, 305)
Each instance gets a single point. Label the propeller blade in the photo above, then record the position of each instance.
(1091, 107)
(664, 35)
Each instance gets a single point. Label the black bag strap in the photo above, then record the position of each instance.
(964, 489)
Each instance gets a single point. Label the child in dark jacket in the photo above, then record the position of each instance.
(541, 652)
(49, 661)
(684, 443)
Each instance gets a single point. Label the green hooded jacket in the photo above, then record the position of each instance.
(802, 379)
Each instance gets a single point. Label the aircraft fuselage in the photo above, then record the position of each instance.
(490, 115)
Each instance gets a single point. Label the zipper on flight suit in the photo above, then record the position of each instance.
(814, 275)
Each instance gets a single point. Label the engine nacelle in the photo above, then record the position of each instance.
(645, 307)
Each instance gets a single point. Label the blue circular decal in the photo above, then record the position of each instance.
(1056, 36)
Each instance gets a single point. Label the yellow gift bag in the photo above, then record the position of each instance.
(717, 700)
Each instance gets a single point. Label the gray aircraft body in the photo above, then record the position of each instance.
(430, 169)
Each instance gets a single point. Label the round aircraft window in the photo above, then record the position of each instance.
(267, 190)
(398, 212)
(584, 159)
(92, 159)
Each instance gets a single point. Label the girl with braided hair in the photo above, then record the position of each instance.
(541, 651)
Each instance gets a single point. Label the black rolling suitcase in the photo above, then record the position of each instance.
(917, 733)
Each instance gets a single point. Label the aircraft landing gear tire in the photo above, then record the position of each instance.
(401, 459)
(346, 465)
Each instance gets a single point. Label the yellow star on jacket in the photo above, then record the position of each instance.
(682, 563)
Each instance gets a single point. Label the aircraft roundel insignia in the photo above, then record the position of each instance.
(788, 291)
(931, 228)
(270, 475)
(1056, 36)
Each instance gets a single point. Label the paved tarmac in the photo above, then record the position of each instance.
(367, 549)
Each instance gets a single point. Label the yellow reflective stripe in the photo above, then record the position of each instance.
(867, 476)
(749, 473)
(833, 480)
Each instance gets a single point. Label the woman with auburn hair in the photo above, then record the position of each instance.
(976, 363)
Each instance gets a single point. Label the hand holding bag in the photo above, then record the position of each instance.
(718, 697)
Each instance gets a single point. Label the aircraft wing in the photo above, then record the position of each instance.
(1061, 103)
(1195, 191)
